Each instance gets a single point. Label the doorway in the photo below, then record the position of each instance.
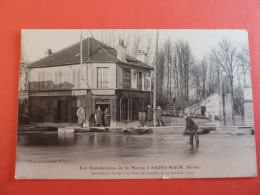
(103, 106)
(126, 110)
(203, 110)
(61, 111)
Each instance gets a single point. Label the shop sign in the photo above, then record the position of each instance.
(134, 94)
(58, 93)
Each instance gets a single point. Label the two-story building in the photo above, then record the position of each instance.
(107, 77)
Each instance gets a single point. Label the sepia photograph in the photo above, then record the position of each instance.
(135, 104)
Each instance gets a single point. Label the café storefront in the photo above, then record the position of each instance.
(129, 103)
(61, 106)
(56, 106)
(124, 105)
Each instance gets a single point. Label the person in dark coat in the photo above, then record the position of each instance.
(98, 116)
(92, 120)
(107, 117)
(149, 116)
(159, 113)
(192, 128)
(81, 116)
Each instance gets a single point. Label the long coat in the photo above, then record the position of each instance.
(149, 114)
(99, 117)
(159, 113)
(190, 124)
(81, 115)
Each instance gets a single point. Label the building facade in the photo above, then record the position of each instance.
(96, 75)
(215, 106)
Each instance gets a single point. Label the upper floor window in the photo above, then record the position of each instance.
(56, 79)
(126, 78)
(39, 80)
(134, 79)
(102, 78)
(140, 80)
(76, 77)
(137, 80)
(60, 79)
(43, 83)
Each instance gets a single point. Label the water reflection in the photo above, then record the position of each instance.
(162, 145)
(67, 139)
(194, 148)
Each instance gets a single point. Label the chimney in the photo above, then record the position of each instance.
(121, 51)
(142, 56)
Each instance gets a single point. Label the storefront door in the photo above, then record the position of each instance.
(126, 110)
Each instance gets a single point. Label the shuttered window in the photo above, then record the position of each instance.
(78, 77)
(39, 80)
(43, 81)
(60, 79)
(74, 77)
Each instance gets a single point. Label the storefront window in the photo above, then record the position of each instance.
(102, 78)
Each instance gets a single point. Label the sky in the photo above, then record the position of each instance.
(36, 42)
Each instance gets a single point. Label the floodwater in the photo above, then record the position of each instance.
(221, 151)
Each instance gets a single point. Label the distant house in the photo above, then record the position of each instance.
(108, 77)
(248, 107)
(214, 107)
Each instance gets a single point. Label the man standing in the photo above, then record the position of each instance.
(159, 116)
(149, 117)
(192, 128)
(107, 117)
(98, 117)
(81, 115)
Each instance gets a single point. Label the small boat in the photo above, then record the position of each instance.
(201, 130)
(138, 131)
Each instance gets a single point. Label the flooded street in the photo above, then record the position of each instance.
(221, 152)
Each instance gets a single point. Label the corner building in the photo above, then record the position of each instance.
(107, 77)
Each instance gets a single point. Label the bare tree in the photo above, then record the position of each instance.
(243, 63)
(160, 78)
(199, 77)
(225, 55)
(184, 59)
(168, 53)
(24, 71)
(149, 48)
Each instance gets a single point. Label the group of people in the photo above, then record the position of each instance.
(100, 118)
(149, 115)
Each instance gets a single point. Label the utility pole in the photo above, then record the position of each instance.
(222, 108)
(154, 82)
(81, 61)
(81, 58)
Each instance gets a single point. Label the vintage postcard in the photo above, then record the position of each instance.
(132, 104)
